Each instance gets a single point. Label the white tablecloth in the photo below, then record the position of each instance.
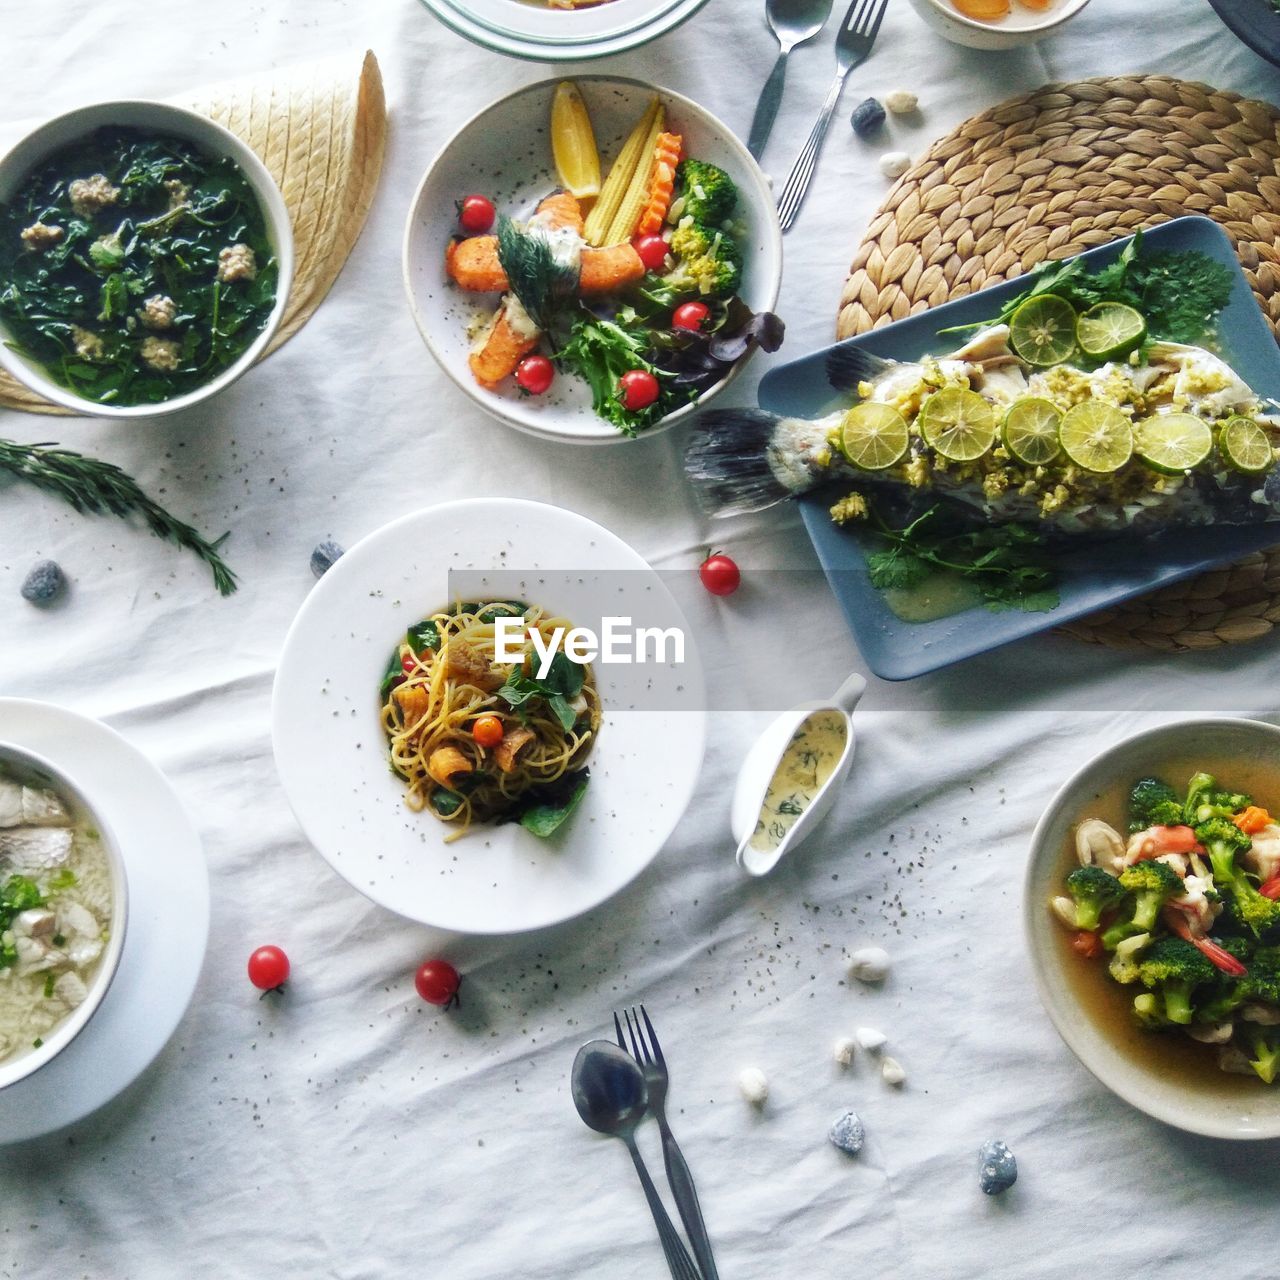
(348, 1130)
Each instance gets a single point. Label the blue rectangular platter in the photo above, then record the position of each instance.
(1093, 576)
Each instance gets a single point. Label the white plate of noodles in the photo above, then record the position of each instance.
(460, 777)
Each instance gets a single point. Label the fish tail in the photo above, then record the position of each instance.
(737, 461)
(848, 365)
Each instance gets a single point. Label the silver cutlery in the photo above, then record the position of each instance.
(793, 22)
(853, 43)
(648, 1053)
(610, 1093)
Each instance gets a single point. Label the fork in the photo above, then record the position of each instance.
(648, 1053)
(853, 44)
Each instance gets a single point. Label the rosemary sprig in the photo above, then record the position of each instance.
(101, 488)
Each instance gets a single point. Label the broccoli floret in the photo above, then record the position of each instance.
(1221, 804)
(1152, 884)
(1120, 929)
(1094, 892)
(1124, 964)
(707, 192)
(1176, 968)
(1265, 1048)
(708, 262)
(1148, 1012)
(1153, 803)
(1198, 791)
(1244, 904)
(1263, 980)
(1221, 998)
(1223, 840)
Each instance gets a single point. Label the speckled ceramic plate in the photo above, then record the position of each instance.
(331, 752)
(505, 152)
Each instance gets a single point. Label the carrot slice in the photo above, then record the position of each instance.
(1252, 820)
(662, 184)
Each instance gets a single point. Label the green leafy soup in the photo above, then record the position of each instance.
(136, 268)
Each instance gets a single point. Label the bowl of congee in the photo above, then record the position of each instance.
(63, 903)
(145, 259)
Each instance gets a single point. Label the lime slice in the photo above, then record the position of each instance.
(874, 436)
(959, 424)
(1110, 330)
(1030, 430)
(1172, 442)
(573, 142)
(1096, 436)
(1246, 445)
(1043, 329)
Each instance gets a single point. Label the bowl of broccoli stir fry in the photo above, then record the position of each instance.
(1153, 918)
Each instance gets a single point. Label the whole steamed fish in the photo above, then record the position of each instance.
(1169, 436)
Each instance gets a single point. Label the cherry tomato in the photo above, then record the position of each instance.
(690, 315)
(720, 575)
(476, 215)
(437, 982)
(535, 374)
(268, 968)
(652, 251)
(409, 663)
(487, 730)
(638, 389)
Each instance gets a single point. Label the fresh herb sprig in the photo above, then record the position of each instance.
(101, 488)
(1178, 292)
(540, 280)
(1005, 564)
(563, 682)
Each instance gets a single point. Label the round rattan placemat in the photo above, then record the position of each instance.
(1066, 168)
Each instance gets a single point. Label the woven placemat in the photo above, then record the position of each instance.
(1063, 169)
(321, 130)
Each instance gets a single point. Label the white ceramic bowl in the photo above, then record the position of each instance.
(36, 770)
(531, 29)
(1241, 1112)
(331, 751)
(1022, 26)
(160, 118)
(505, 153)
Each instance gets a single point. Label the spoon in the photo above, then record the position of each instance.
(793, 22)
(611, 1096)
(763, 762)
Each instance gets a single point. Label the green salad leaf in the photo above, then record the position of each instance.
(547, 808)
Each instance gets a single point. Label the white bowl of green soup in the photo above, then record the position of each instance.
(146, 259)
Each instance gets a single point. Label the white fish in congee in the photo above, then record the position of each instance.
(1169, 436)
(56, 913)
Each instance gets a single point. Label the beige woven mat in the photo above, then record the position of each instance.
(321, 130)
(1063, 169)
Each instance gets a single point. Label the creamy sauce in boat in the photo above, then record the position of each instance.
(809, 760)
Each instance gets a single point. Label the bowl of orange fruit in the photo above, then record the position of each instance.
(997, 24)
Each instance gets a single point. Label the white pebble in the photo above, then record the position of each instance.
(843, 1050)
(869, 964)
(871, 1039)
(901, 103)
(754, 1086)
(893, 164)
(892, 1072)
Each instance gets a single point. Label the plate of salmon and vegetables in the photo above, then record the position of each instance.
(590, 260)
(1025, 455)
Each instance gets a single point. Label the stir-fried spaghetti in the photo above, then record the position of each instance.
(478, 740)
